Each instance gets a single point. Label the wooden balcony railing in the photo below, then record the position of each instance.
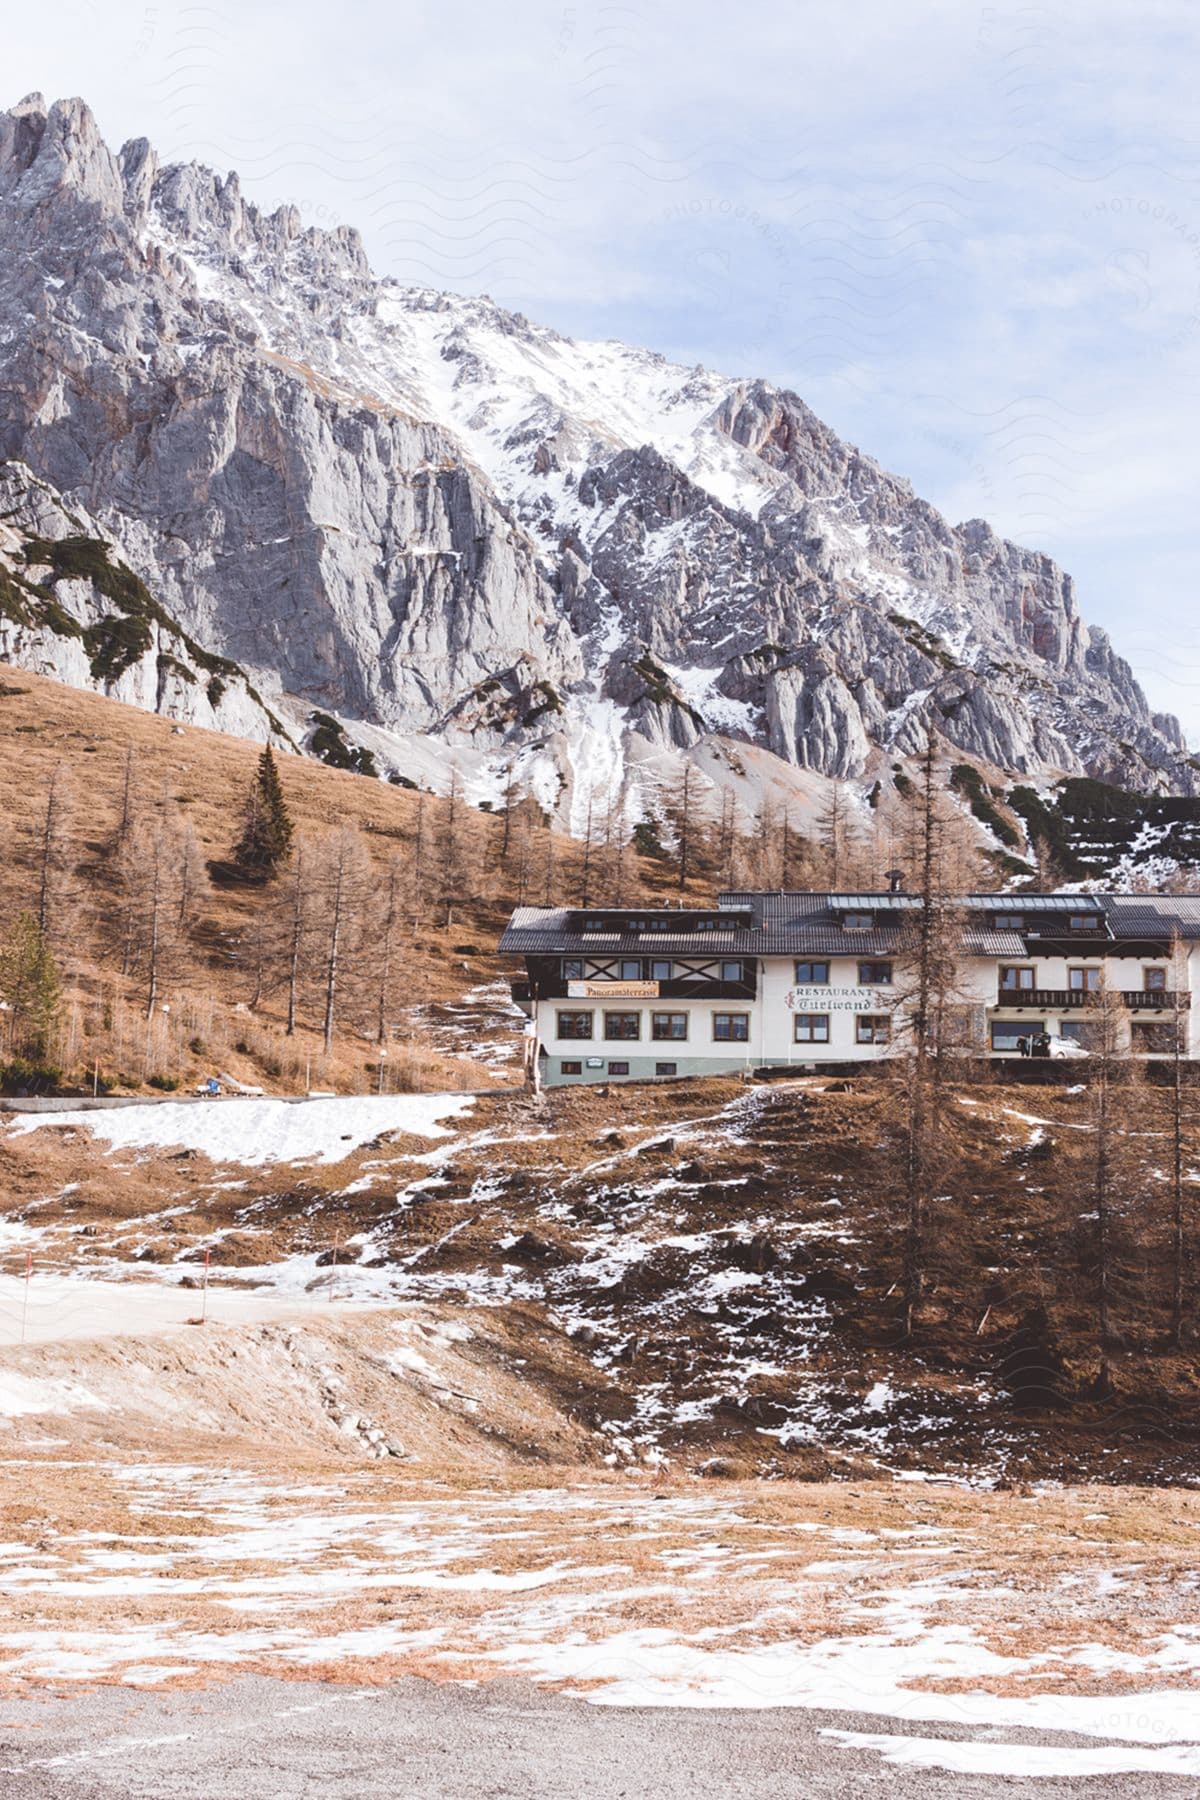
(1068, 999)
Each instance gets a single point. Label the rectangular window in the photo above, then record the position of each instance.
(1006, 1032)
(858, 921)
(874, 974)
(622, 1025)
(1085, 922)
(812, 974)
(666, 1068)
(618, 1068)
(661, 971)
(1083, 1032)
(575, 1024)
(731, 971)
(872, 1028)
(731, 1028)
(1015, 981)
(1155, 981)
(811, 1028)
(572, 1068)
(1153, 1040)
(667, 1026)
(1085, 981)
(572, 968)
(631, 969)
(1009, 921)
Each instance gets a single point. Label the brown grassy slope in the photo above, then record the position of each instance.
(200, 779)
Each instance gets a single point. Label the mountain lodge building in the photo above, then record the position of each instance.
(805, 981)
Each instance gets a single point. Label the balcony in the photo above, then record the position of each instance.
(1070, 999)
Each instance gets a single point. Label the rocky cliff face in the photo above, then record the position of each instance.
(70, 608)
(427, 515)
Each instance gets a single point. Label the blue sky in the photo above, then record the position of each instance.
(968, 235)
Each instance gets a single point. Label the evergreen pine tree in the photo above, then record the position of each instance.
(266, 840)
(30, 984)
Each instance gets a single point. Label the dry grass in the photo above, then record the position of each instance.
(739, 1568)
(203, 777)
(501, 1431)
(200, 778)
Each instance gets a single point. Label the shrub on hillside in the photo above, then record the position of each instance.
(26, 1077)
(31, 987)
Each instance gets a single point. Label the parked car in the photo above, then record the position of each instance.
(1066, 1047)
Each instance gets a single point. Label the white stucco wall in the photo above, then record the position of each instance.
(844, 999)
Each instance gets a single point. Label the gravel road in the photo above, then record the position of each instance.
(259, 1739)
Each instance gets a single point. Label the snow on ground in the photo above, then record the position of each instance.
(20, 1394)
(52, 1309)
(484, 1024)
(14, 1233)
(1022, 1760)
(876, 1672)
(630, 1595)
(699, 689)
(251, 1132)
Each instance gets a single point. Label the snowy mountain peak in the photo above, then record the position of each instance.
(433, 516)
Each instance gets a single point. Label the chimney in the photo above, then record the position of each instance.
(895, 880)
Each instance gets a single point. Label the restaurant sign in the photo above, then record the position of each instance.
(612, 990)
(838, 999)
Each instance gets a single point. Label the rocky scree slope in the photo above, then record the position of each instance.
(426, 514)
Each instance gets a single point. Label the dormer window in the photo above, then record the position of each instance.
(1009, 921)
(858, 921)
(1085, 922)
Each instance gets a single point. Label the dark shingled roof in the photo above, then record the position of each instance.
(810, 924)
(1134, 916)
(1154, 915)
(544, 930)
